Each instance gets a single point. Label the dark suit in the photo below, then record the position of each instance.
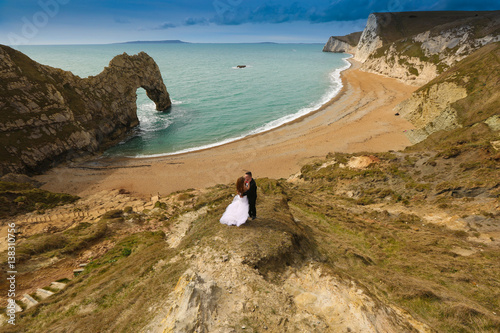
(251, 194)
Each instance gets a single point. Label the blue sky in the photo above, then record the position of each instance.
(107, 21)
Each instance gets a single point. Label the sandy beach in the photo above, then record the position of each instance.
(359, 118)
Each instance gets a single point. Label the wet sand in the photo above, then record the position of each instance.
(359, 119)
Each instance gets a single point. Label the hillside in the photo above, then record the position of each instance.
(412, 238)
(465, 97)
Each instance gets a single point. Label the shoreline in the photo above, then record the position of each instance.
(249, 136)
(359, 118)
(349, 65)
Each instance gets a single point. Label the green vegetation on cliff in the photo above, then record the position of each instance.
(16, 198)
(397, 26)
(49, 115)
(475, 116)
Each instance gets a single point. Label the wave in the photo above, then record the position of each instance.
(246, 66)
(149, 119)
(175, 102)
(336, 87)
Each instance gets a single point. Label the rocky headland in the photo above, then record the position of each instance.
(416, 47)
(49, 115)
(343, 44)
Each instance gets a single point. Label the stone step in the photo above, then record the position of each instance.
(77, 271)
(43, 294)
(58, 285)
(29, 301)
(18, 308)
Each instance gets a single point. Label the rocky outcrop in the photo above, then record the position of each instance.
(193, 305)
(343, 44)
(463, 97)
(49, 115)
(370, 39)
(430, 110)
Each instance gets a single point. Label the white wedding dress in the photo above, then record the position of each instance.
(237, 212)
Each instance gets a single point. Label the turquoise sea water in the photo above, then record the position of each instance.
(213, 101)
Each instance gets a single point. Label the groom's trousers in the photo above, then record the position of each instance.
(252, 211)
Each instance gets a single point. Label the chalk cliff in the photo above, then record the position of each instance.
(343, 44)
(49, 115)
(415, 47)
(465, 97)
(422, 54)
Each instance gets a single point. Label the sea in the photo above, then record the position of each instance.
(214, 101)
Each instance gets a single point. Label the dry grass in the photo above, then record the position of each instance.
(395, 256)
(18, 198)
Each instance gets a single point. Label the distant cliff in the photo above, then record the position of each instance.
(49, 115)
(416, 47)
(452, 56)
(343, 44)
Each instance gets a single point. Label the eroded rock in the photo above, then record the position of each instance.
(49, 115)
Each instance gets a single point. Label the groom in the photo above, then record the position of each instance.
(251, 194)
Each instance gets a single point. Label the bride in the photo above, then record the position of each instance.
(237, 211)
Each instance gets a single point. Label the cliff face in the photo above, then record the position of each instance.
(430, 110)
(338, 46)
(466, 96)
(343, 44)
(417, 47)
(437, 51)
(49, 115)
(370, 39)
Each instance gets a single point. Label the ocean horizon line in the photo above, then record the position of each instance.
(163, 42)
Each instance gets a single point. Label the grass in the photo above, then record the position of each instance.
(398, 261)
(395, 255)
(61, 243)
(16, 198)
(113, 287)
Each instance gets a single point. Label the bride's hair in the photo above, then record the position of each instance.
(240, 185)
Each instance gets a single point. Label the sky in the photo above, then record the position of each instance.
(34, 22)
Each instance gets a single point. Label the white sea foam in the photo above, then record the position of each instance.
(336, 87)
(246, 66)
(149, 120)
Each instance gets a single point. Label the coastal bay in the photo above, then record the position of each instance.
(359, 118)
